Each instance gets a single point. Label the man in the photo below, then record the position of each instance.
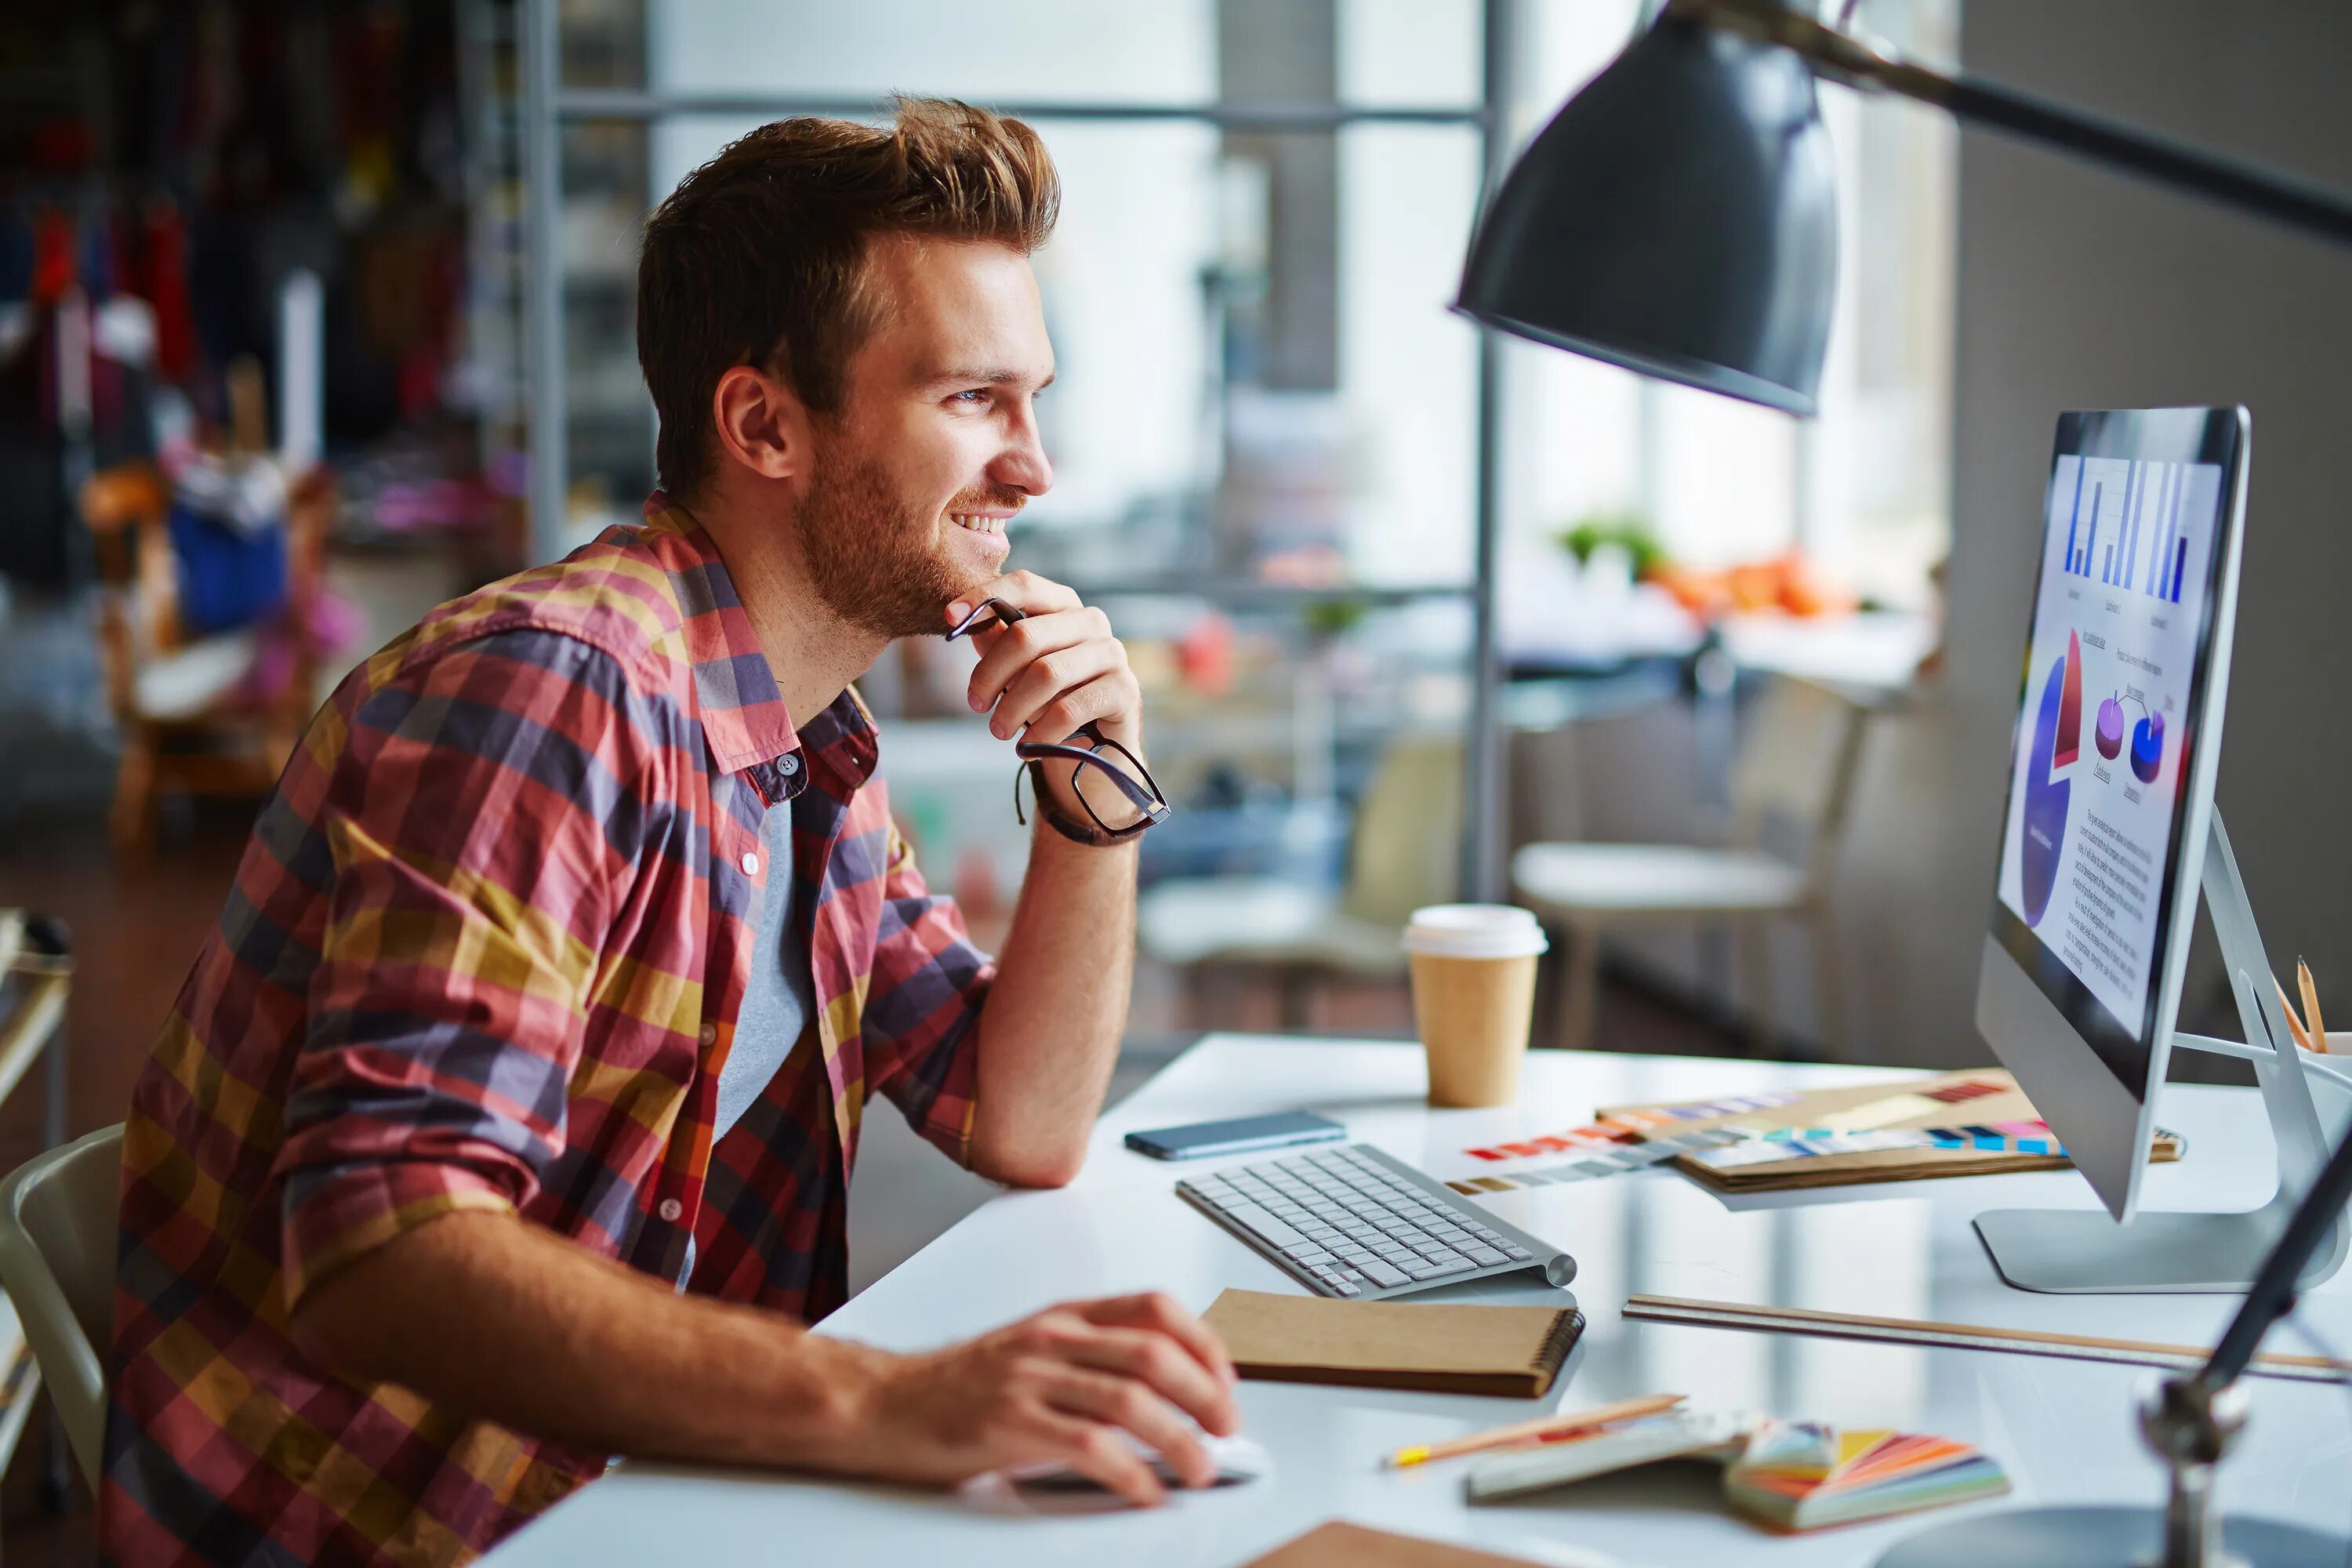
(505, 1123)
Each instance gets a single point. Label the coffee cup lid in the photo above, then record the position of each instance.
(1474, 931)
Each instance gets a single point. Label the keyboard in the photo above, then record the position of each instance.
(1355, 1222)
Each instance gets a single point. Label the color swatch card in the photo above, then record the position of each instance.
(1799, 1475)
(1615, 1129)
(1786, 1474)
(1973, 1123)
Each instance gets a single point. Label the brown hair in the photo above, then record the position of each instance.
(758, 257)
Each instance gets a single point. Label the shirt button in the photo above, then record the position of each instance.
(670, 1209)
(788, 764)
(750, 864)
(709, 1034)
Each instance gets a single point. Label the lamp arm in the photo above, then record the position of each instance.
(2298, 204)
(2271, 1295)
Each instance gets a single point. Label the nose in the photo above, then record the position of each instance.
(1022, 464)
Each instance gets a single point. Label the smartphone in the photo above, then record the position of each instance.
(1233, 1137)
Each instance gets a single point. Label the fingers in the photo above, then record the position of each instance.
(1157, 1361)
(1024, 591)
(1159, 1312)
(1131, 1408)
(1061, 674)
(1098, 1453)
(1011, 651)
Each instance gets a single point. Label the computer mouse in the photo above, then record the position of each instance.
(1239, 1460)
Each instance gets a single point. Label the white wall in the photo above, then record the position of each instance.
(2078, 289)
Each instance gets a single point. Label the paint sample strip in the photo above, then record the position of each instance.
(1612, 1134)
(1812, 1142)
(1610, 1161)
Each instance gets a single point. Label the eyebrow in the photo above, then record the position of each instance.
(987, 377)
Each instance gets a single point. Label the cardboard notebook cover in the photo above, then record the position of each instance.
(2007, 1104)
(1511, 1352)
(1339, 1545)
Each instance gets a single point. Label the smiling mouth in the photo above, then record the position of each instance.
(977, 523)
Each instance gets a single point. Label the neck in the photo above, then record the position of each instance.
(814, 653)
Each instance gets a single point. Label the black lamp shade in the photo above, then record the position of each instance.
(1677, 217)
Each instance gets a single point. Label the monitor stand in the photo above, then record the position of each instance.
(2075, 1251)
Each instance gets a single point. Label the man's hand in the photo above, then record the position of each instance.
(1066, 1386)
(1047, 675)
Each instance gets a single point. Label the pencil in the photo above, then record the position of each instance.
(2293, 1024)
(1528, 1431)
(2319, 1031)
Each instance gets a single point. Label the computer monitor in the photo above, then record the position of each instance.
(2108, 837)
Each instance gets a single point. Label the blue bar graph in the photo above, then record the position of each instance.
(2091, 545)
(2134, 491)
(2147, 548)
(2072, 562)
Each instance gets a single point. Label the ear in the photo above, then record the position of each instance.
(760, 423)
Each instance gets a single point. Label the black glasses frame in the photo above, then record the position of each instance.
(1140, 789)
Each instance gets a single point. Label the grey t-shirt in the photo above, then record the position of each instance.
(781, 996)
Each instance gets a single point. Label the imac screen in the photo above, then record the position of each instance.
(2096, 785)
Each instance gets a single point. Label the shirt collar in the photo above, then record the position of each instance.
(743, 717)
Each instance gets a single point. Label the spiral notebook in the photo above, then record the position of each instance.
(1513, 1352)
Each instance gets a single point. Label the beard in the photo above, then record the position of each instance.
(872, 557)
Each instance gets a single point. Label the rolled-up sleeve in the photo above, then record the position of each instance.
(487, 811)
(922, 1012)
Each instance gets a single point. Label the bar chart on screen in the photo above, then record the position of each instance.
(2125, 522)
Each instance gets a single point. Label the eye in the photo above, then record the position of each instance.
(972, 397)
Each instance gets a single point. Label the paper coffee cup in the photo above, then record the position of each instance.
(1473, 993)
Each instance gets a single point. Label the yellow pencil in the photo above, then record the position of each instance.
(2311, 1023)
(2293, 1024)
(1528, 1431)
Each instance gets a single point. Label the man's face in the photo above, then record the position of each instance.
(936, 446)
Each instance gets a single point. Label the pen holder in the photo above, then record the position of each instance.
(2330, 1077)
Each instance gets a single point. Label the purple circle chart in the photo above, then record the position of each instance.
(2042, 826)
(2109, 735)
(2148, 748)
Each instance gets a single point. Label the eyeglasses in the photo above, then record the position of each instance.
(1106, 778)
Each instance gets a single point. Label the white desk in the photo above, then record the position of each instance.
(2062, 1429)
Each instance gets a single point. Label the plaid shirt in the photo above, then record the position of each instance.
(486, 951)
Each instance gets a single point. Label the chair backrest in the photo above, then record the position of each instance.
(1407, 849)
(1799, 762)
(57, 1228)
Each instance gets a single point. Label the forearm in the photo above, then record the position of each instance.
(1050, 1028)
(501, 1319)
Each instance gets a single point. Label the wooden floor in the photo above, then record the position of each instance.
(136, 929)
(133, 935)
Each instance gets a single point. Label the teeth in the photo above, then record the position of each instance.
(978, 524)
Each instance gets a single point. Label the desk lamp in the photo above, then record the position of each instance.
(1677, 217)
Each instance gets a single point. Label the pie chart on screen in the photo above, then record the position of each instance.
(2042, 826)
(2148, 748)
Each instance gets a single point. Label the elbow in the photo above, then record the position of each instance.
(1030, 1168)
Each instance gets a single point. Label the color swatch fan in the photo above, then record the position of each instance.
(1800, 1475)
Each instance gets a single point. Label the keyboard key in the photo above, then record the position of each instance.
(1308, 1254)
(1513, 1250)
(1381, 1274)
(1485, 1257)
(1456, 1266)
(1344, 1288)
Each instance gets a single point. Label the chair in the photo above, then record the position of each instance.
(1403, 854)
(177, 700)
(1798, 765)
(57, 1228)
